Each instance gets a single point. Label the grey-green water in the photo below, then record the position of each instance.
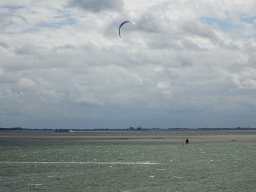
(62, 165)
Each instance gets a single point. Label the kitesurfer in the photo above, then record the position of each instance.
(187, 141)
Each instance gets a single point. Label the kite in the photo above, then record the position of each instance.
(124, 23)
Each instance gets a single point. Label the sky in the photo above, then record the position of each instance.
(188, 64)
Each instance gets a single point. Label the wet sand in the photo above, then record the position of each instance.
(172, 136)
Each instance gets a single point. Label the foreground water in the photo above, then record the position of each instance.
(63, 165)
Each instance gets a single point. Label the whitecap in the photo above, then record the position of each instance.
(35, 184)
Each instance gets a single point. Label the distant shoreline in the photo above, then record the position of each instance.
(121, 129)
(172, 136)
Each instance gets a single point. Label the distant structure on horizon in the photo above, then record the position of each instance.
(139, 128)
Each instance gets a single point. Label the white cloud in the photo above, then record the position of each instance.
(163, 85)
(246, 78)
(174, 66)
(51, 96)
(24, 82)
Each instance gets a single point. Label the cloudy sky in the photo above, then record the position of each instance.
(188, 64)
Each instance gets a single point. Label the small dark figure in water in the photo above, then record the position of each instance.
(187, 141)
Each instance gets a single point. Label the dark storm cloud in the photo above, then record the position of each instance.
(97, 6)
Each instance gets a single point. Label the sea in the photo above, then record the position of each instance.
(125, 166)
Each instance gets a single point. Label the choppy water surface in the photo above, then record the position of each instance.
(126, 166)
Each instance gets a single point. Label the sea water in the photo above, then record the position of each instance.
(63, 165)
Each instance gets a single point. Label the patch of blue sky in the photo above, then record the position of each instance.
(229, 27)
(5, 23)
(216, 23)
(35, 47)
(67, 20)
(251, 20)
(13, 7)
